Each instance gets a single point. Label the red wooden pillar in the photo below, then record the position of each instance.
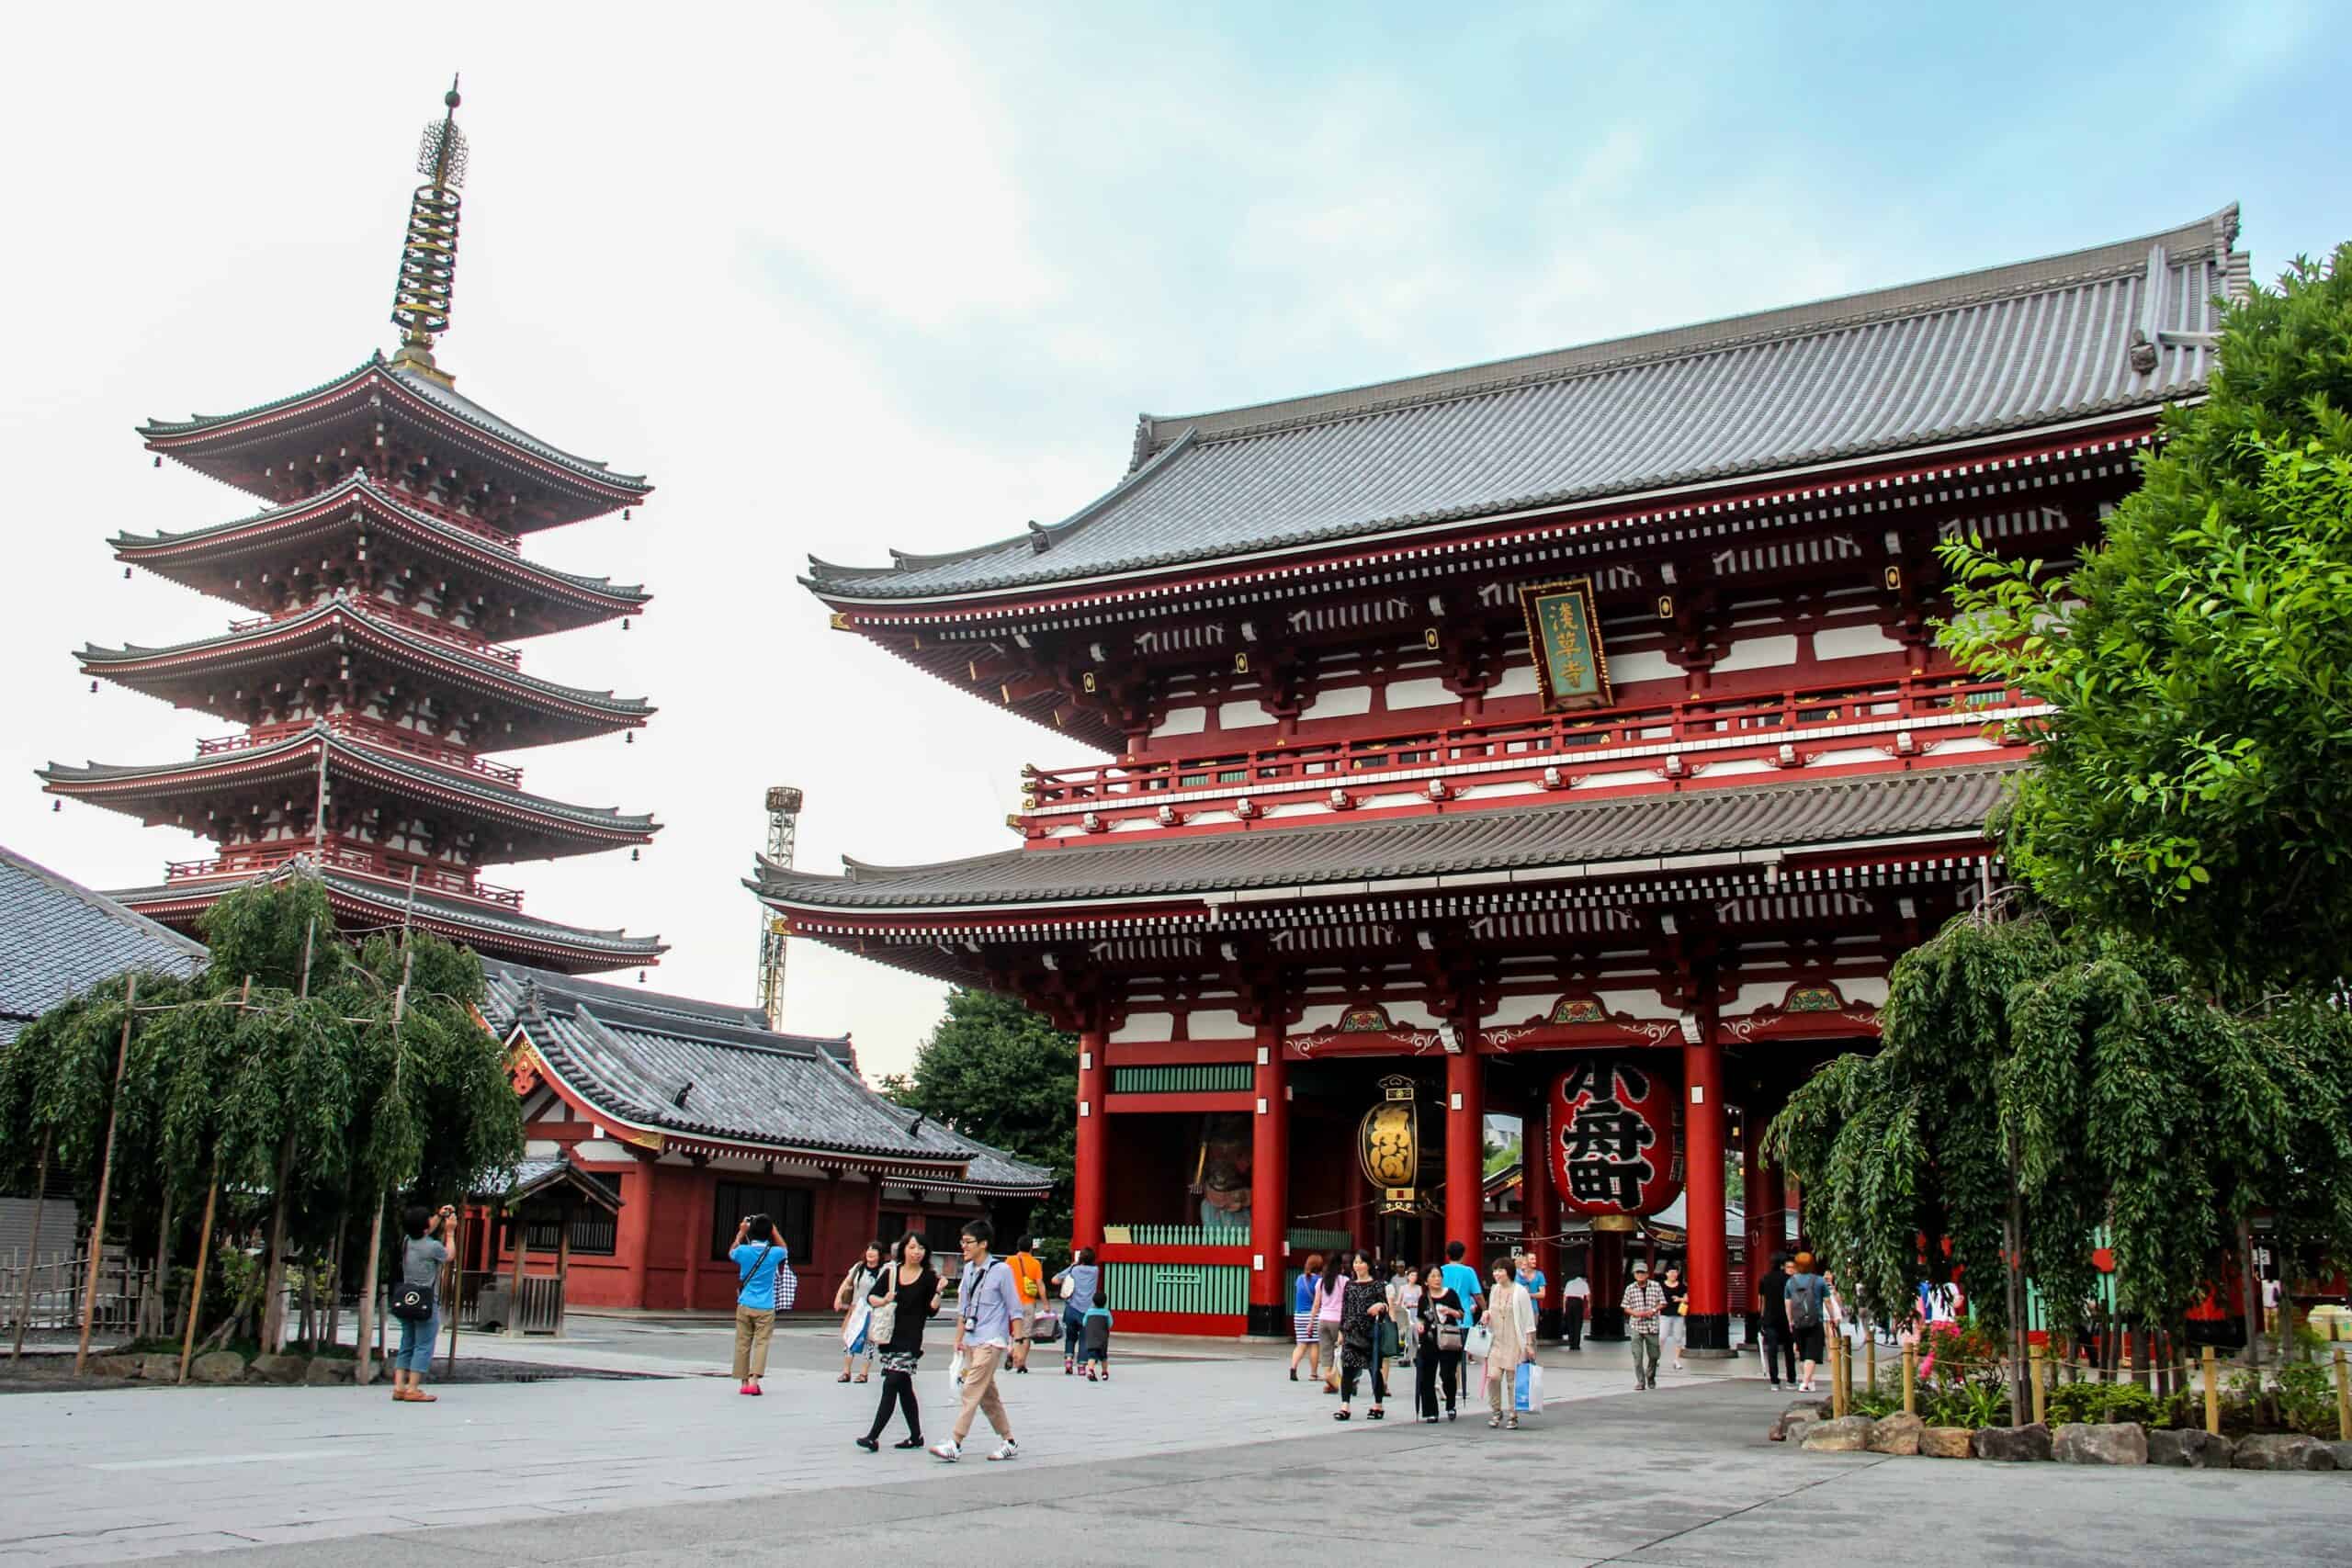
(693, 1186)
(1465, 1151)
(1707, 1323)
(1270, 1186)
(1093, 1155)
(1538, 1216)
(1760, 1193)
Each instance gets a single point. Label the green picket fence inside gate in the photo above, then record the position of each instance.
(1204, 1078)
(1211, 1288)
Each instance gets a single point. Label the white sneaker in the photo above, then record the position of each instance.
(1007, 1449)
(951, 1451)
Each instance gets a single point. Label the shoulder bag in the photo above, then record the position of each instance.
(411, 1303)
(884, 1319)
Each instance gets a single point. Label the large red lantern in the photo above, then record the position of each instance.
(1616, 1138)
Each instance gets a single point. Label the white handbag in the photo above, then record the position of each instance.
(1478, 1343)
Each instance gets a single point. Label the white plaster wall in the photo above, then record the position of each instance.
(1181, 721)
(1345, 703)
(1428, 692)
(1758, 653)
(1650, 664)
(1242, 715)
(1636, 1004)
(1218, 1023)
(1518, 683)
(1148, 1027)
(1852, 642)
(1871, 988)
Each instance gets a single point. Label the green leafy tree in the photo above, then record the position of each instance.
(996, 1071)
(282, 1086)
(2193, 785)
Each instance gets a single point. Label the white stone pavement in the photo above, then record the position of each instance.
(107, 1476)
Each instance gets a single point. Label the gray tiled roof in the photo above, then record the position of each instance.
(703, 1070)
(1981, 353)
(481, 925)
(1724, 820)
(58, 939)
(488, 794)
(498, 675)
(359, 484)
(432, 391)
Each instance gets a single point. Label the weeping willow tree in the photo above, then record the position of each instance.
(2041, 1090)
(290, 1087)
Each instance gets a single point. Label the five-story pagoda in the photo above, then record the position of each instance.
(387, 586)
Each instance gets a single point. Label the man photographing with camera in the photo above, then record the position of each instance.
(988, 1302)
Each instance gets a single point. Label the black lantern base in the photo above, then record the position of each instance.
(1706, 1336)
(1269, 1323)
(1608, 1323)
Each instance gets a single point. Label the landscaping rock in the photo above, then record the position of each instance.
(2343, 1452)
(2100, 1442)
(1896, 1434)
(2274, 1450)
(215, 1367)
(1847, 1435)
(326, 1369)
(2012, 1445)
(1946, 1442)
(116, 1365)
(277, 1369)
(375, 1369)
(1792, 1429)
(1805, 1412)
(164, 1366)
(2192, 1449)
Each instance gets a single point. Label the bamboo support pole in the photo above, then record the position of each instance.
(2212, 1396)
(32, 1247)
(363, 1371)
(1870, 1363)
(105, 1180)
(1910, 1380)
(203, 1262)
(457, 1291)
(2343, 1400)
(2041, 1398)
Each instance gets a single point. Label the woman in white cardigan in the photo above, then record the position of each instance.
(1510, 1318)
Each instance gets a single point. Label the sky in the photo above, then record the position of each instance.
(842, 278)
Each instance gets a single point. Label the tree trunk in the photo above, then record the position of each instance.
(32, 1246)
(162, 1273)
(2250, 1293)
(2020, 1389)
(273, 1290)
(365, 1367)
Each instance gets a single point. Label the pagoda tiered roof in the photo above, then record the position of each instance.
(313, 438)
(1739, 829)
(515, 825)
(534, 712)
(366, 901)
(2066, 342)
(220, 560)
(704, 1078)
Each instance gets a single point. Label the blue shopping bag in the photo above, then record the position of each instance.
(1526, 1390)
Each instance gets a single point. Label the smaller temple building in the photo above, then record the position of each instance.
(693, 1114)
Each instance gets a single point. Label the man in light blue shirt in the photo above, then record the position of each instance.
(1463, 1281)
(988, 1301)
(1533, 1278)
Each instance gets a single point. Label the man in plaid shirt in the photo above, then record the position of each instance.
(1644, 1304)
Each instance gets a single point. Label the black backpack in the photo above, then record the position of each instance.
(1805, 1302)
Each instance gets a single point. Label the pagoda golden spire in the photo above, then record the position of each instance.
(429, 255)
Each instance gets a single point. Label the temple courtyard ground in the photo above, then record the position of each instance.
(1195, 1453)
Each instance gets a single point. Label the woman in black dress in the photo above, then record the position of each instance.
(1361, 1311)
(1440, 1320)
(910, 1288)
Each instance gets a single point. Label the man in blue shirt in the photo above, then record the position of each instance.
(1463, 1281)
(760, 1257)
(987, 1304)
(1533, 1278)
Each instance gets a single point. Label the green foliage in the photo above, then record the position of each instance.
(1874, 1403)
(995, 1071)
(313, 1101)
(2132, 1102)
(2101, 1402)
(1971, 1404)
(2194, 784)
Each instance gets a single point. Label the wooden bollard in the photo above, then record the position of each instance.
(2214, 1397)
(1910, 1380)
(2040, 1402)
(2343, 1400)
(1870, 1363)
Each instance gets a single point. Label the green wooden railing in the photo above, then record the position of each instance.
(1302, 1241)
(1203, 1078)
(1217, 1289)
(1180, 1236)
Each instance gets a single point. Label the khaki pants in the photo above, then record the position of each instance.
(981, 1363)
(753, 1327)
